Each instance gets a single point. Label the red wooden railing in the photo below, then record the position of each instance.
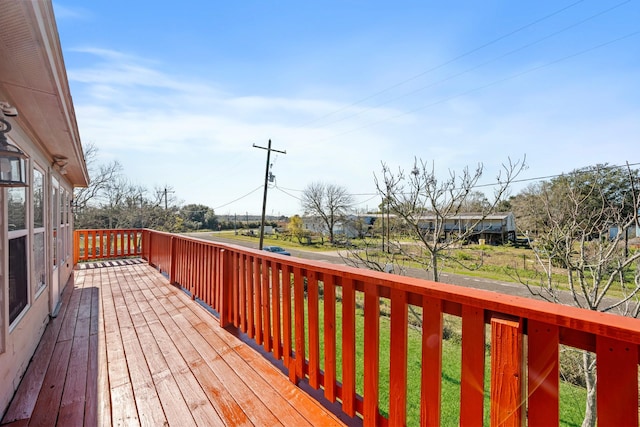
(92, 245)
(266, 296)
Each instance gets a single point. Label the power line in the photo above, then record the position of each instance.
(478, 88)
(540, 178)
(478, 66)
(289, 194)
(516, 181)
(450, 61)
(239, 198)
(372, 196)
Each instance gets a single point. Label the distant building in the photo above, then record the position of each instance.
(351, 226)
(497, 228)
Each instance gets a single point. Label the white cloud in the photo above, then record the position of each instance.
(197, 135)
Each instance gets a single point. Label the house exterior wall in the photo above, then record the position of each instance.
(19, 339)
(33, 80)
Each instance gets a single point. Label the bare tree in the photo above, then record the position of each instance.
(329, 202)
(425, 203)
(587, 217)
(101, 177)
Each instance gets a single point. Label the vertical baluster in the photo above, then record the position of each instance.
(472, 379)
(235, 290)
(192, 267)
(543, 369)
(298, 308)
(266, 310)
(430, 395)
(243, 292)
(275, 309)
(250, 308)
(224, 262)
(214, 273)
(286, 316)
(348, 347)
(617, 386)
(257, 286)
(371, 354)
(130, 239)
(398, 358)
(92, 245)
(314, 330)
(329, 338)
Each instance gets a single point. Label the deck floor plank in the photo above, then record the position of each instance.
(256, 410)
(103, 410)
(48, 402)
(209, 329)
(123, 407)
(196, 399)
(227, 408)
(157, 374)
(147, 402)
(130, 349)
(26, 396)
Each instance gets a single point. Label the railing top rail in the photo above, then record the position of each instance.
(111, 229)
(588, 321)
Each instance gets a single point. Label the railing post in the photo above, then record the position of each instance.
(172, 260)
(76, 247)
(506, 372)
(146, 245)
(226, 284)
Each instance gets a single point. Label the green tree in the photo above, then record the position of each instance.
(197, 216)
(296, 228)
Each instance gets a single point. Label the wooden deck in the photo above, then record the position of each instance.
(129, 349)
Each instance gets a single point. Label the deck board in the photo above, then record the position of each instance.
(130, 349)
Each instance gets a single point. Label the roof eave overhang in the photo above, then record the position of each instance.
(33, 79)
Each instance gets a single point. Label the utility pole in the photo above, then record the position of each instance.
(166, 204)
(266, 185)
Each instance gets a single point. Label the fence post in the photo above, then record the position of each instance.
(226, 284)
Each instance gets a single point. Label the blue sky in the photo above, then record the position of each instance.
(180, 92)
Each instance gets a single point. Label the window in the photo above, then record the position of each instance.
(18, 290)
(39, 261)
(17, 208)
(18, 277)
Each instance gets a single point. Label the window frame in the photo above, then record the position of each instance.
(39, 230)
(17, 234)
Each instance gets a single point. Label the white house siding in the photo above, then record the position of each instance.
(33, 80)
